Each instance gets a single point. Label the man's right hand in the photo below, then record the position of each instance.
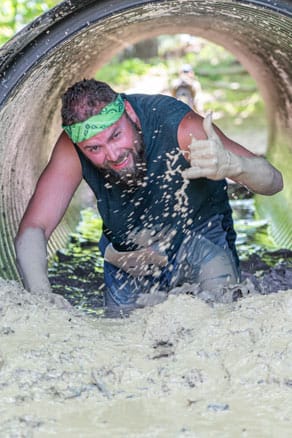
(57, 300)
(31, 260)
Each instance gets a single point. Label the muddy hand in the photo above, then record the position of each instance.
(158, 240)
(209, 158)
(136, 263)
(54, 299)
(58, 301)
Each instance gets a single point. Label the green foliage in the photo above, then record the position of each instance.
(122, 72)
(75, 272)
(253, 236)
(208, 58)
(90, 226)
(230, 92)
(81, 242)
(14, 14)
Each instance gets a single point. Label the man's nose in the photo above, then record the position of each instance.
(112, 153)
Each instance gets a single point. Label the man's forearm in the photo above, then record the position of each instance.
(257, 174)
(210, 158)
(31, 260)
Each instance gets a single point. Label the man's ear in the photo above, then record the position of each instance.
(131, 113)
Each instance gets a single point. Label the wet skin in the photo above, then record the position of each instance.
(115, 148)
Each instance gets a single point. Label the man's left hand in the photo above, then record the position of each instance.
(209, 158)
(145, 261)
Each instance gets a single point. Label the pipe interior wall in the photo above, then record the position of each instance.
(76, 38)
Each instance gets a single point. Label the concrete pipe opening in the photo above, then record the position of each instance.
(77, 37)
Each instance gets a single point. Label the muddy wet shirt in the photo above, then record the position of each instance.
(158, 202)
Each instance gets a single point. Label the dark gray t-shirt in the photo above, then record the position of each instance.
(160, 201)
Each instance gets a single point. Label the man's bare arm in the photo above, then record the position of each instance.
(45, 210)
(215, 156)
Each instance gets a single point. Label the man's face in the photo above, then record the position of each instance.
(118, 152)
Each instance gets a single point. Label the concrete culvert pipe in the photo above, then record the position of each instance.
(77, 37)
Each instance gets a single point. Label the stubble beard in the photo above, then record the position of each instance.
(134, 176)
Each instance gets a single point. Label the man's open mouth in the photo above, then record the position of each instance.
(121, 163)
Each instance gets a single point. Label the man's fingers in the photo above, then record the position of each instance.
(198, 172)
(158, 259)
(199, 144)
(193, 173)
(142, 262)
(149, 267)
(152, 257)
(60, 301)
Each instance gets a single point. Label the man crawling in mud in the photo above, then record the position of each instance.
(158, 171)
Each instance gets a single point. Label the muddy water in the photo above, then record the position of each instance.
(181, 368)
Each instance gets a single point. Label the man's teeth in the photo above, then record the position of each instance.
(123, 160)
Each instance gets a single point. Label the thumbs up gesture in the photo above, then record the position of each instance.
(209, 158)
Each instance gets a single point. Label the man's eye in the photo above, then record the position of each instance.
(94, 148)
(116, 134)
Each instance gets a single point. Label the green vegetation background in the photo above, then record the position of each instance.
(233, 93)
(14, 15)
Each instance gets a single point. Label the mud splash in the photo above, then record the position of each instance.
(181, 368)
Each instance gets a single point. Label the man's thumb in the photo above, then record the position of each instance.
(208, 127)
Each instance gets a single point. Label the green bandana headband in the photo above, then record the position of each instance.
(109, 115)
